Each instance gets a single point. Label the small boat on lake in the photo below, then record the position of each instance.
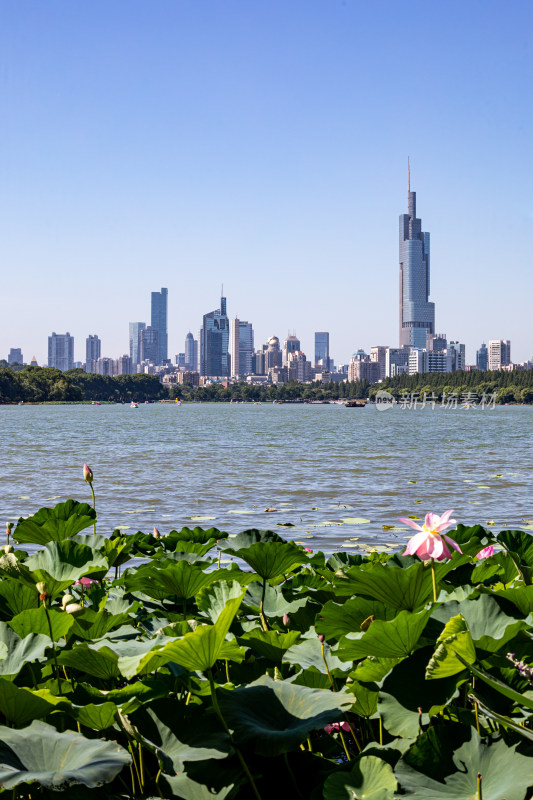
(355, 403)
(134, 405)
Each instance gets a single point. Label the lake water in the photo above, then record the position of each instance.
(337, 474)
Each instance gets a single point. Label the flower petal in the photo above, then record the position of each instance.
(452, 543)
(435, 547)
(430, 520)
(410, 523)
(415, 543)
(443, 525)
(446, 516)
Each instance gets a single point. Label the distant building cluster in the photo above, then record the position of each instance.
(224, 349)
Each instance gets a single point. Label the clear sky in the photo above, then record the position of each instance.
(263, 144)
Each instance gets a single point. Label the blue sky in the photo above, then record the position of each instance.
(263, 144)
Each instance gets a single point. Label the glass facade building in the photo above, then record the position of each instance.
(417, 314)
(93, 351)
(322, 349)
(61, 351)
(159, 322)
(214, 342)
(135, 341)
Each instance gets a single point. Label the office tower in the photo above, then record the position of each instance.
(15, 356)
(379, 355)
(159, 322)
(135, 342)
(123, 365)
(191, 353)
(234, 347)
(214, 342)
(298, 367)
(246, 347)
(61, 351)
(322, 350)
(272, 354)
(458, 353)
(361, 368)
(105, 366)
(290, 345)
(482, 357)
(258, 363)
(396, 361)
(436, 342)
(180, 360)
(499, 353)
(149, 350)
(417, 314)
(93, 347)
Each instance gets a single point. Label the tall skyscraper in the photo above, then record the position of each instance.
(159, 322)
(214, 341)
(417, 314)
(482, 357)
(378, 353)
(322, 350)
(191, 353)
(93, 348)
(135, 342)
(291, 345)
(15, 356)
(246, 347)
(149, 350)
(234, 347)
(61, 351)
(499, 353)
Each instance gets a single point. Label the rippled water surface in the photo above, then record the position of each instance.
(338, 475)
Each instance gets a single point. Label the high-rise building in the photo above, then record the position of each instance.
(191, 352)
(272, 354)
(214, 341)
(458, 352)
(379, 353)
(322, 350)
(15, 356)
(396, 361)
(499, 353)
(417, 314)
(290, 345)
(149, 350)
(482, 357)
(361, 368)
(135, 341)
(246, 347)
(436, 342)
(93, 348)
(105, 366)
(123, 365)
(61, 351)
(159, 322)
(234, 347)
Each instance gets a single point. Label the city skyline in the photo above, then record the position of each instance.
(263, 145)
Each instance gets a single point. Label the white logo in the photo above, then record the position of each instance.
(384, 400)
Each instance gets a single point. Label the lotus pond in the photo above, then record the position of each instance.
(198, 665)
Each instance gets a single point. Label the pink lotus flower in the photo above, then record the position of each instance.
(85, 582)
(429, 543)
(487, 552)
(156, 534)
(337, 726)
(308, 550)
(87, 473)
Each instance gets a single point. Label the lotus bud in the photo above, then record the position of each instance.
(41, 588)
(308, 550)
(73, 608)
(87, 474)
(8, 548)
(321, 638)
(9, 528)
(286, 620)
(487, 552)
(66, 599)
(156, 534)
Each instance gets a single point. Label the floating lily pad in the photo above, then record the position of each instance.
(355, 521)
(201, 519)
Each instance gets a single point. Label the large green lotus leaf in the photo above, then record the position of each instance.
(336, 620)
(520, 698)
(97, 717)
(505, 773)
(271, 559)
(311, 678)
(15, 570)
(491, 628)
(183, 553)
(308, 653)
(276, 604)
(57, 760)
(20, 651)
(501, 565)
(199, 650)
(374, 670)
(91, 625)
(184, 787)
(180, 580)
(519, 543)
(101, 663)
(181, 733)
(520, 596)
(455, 639)
(249, 537)
(505, 722)
(405, 692)
(370, 779)
(183, 546)
(54, 524)
(34, 620)
(20, 706)
(17, 597)
(269, 644)
(394, 638)
(130, 697)
(66, 561)
(198, 535)
(137, 657)
(366, 699)
(212, 599)
(410, 588)
(274, 717)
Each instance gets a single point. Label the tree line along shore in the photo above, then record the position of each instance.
(45, 385)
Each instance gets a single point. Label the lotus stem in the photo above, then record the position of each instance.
(348, 756)
(219, 556)
(56, 665)
(264, 623)
(476, 710)
(434, 579)
(327, 668)
(141, 764)
(240, 756)
(380, 730)
(94, 509)
(160, 793)
(479, 789)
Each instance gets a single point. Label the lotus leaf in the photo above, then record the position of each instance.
(54, 524)
(371, 778)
